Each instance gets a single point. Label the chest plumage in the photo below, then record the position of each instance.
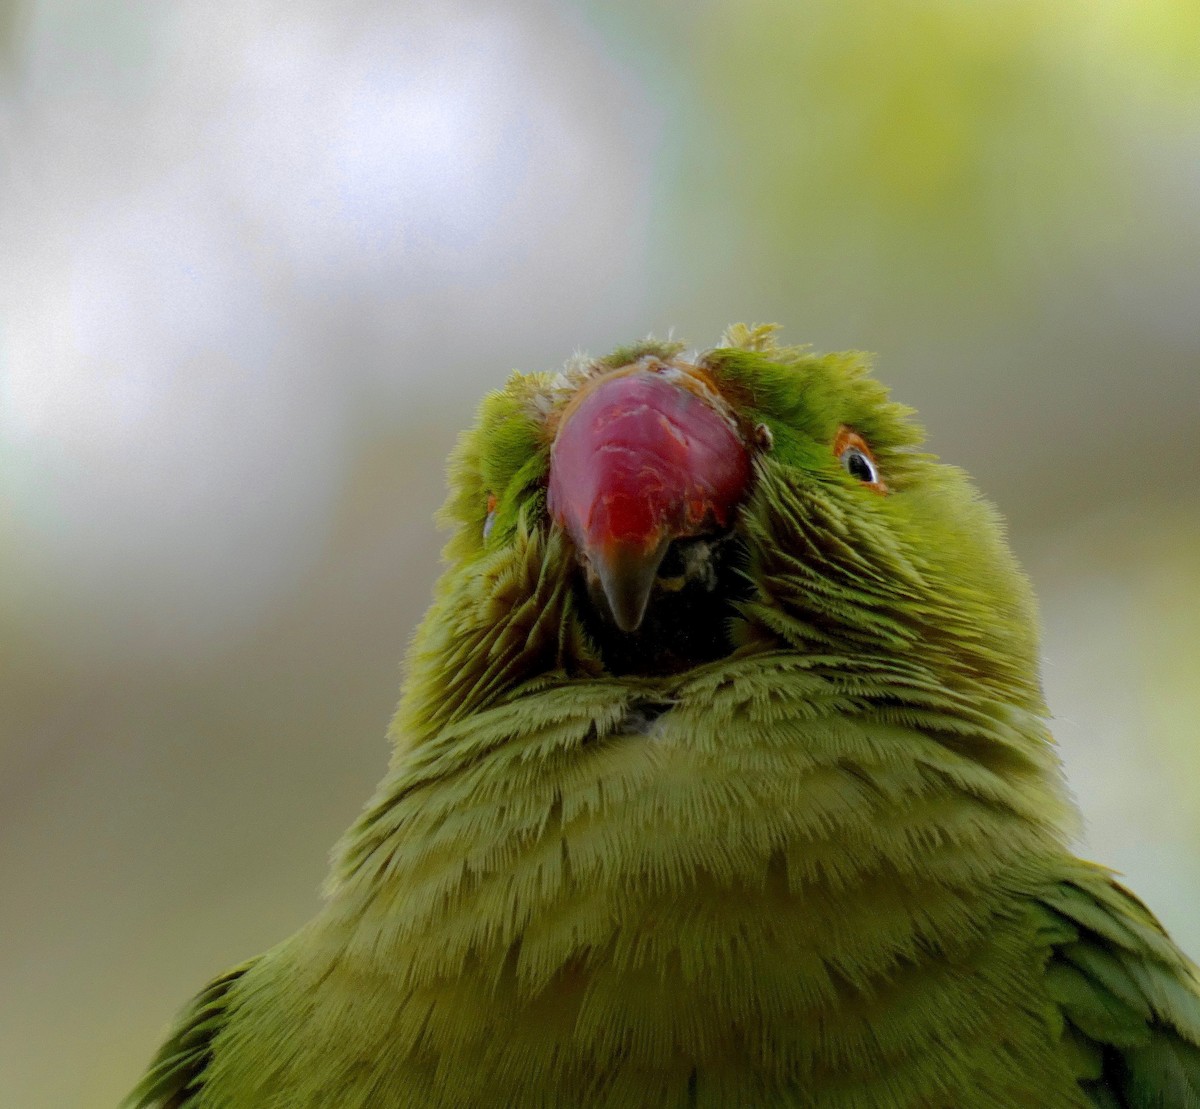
(721, 779)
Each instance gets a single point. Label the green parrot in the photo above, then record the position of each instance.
(721, 777)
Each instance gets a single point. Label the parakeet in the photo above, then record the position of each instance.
(721, 777)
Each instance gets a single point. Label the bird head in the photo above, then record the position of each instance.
(649, 513)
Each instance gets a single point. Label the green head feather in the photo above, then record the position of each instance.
(922, 572)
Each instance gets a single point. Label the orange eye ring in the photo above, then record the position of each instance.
(852, 451)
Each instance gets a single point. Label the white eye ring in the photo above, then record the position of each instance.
(488, 524)
(857, 463)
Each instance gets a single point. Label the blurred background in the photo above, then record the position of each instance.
(261, 259)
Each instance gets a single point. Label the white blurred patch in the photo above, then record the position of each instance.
(235, 228)
(169, 468)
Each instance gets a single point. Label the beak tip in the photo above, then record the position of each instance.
(627, 611)
(627, 622)
(626, 577)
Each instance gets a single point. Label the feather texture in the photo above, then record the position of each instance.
(827, 869)
(1130, 1002)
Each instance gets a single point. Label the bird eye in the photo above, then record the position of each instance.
(859, 465)
(857, 460)
(491, 516)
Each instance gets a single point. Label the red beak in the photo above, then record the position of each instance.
(643, 455)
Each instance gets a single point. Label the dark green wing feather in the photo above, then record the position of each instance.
(1128, 998)
(176, 1074)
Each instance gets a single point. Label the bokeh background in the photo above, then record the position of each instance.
(261, 258)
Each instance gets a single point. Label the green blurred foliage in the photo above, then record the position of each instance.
(919, 155)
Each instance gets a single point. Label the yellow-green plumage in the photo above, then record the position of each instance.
(826, 869)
